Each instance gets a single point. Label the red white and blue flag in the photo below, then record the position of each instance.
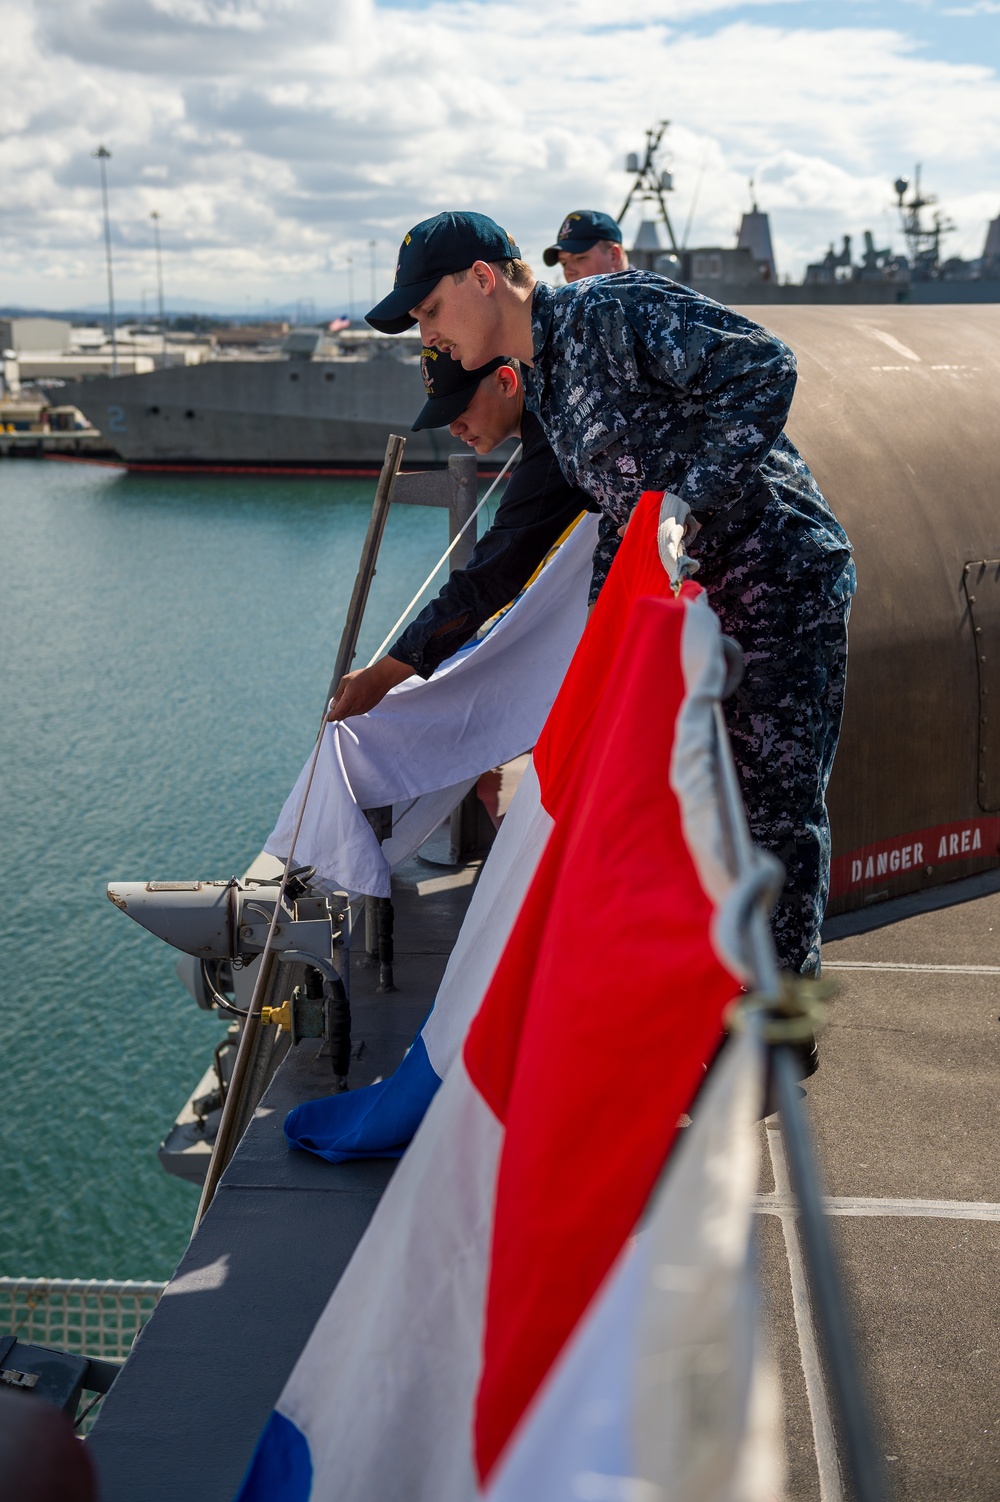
(513, 1213)
(425, 745)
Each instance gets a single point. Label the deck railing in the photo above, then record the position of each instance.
(87, 1316)
(92, 1317)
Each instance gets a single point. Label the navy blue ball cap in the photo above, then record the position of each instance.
(449, 387)
(579, 231)
(433, 249)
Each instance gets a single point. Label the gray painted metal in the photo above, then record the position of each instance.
(903, 1114)
(264, 413)
(982, 592)
(366, 564)
(185, 1413)
(897, 412)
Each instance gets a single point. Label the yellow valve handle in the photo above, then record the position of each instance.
(279, 1017)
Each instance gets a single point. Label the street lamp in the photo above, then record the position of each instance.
(371, 251)
(103, 155)
(159, 283)
(350, 287)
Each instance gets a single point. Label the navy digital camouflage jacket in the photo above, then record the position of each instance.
(538, 505)
(643, 384)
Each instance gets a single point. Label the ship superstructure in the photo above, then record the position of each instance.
(314, 405)
(325, 401)
(746, 273)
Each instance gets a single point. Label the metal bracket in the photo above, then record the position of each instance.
(794, 1016)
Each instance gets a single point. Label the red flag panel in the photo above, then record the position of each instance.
(636, 573)
(588, 1062)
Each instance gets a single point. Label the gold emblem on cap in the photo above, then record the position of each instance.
(426, 356)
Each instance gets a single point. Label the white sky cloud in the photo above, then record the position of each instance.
(278, 137)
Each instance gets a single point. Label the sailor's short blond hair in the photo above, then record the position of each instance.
(516, 273)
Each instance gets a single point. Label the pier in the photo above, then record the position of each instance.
(88, 444)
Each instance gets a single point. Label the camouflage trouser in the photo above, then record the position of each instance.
(784, 722)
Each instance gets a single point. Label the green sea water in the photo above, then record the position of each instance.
(165, 647)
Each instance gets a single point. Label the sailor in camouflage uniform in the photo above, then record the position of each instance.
(642, 384)
(484, 408)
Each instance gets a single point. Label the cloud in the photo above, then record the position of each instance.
(278, 137)
(178, 38)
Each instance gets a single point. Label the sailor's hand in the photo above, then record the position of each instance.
(360, 691)
(624, 527)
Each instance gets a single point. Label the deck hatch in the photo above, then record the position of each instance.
(982, 591)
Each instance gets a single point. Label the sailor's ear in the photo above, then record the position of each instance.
(485, 276)
(506, 380)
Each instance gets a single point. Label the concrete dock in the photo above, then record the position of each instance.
(81, 445)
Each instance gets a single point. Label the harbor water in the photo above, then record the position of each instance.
(166, 647)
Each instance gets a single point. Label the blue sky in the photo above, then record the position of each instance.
(954, 32)
(278, 138)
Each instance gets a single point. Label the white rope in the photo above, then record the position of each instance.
(445, 556)
(253, 1009)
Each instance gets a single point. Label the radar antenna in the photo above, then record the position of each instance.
(647, 181)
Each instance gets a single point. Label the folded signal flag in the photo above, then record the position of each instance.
(379, 1120)
(536, 1158)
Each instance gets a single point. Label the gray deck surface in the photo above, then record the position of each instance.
(904, 1111)
(904, 1116)
(184, 1415)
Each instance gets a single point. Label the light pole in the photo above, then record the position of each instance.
(103, 155)
(371, 253)
(159, 284)
(350, 287)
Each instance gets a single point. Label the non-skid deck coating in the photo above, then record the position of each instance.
(184, 1415)
(904, 1115)
(903, 1111)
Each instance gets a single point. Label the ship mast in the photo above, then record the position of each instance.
(924, 244)
(648, 182)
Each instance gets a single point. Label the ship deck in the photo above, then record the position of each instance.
(185, 1413)
(903, 1112)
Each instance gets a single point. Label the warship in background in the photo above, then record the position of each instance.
(326, 400)
(746, 274)
(322, 402)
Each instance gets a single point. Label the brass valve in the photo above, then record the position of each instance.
(279, 1017)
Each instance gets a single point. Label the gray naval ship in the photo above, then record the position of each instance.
(897, 414)
(327, 403)
(320, 404)
(747, 273)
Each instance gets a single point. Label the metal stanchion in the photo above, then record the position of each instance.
(250, 1071)
(369, 558)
